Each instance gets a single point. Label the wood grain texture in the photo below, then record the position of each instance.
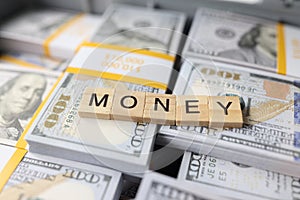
(128, 106)
(96, 103)
(160, 109)
(192, 111)
(225, 112)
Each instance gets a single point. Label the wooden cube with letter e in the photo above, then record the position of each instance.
(192, 111)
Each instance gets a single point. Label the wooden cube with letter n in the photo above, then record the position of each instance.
(225, 111)
(191, 111)
(96, 103)
(160, 109)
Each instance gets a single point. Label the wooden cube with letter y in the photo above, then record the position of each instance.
(225, 111)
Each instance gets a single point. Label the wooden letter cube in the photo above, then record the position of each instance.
(225, 112)
(96, 103)
(128, 105)
(192, 111)
(160, 109)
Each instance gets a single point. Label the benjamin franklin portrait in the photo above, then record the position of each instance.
(257, 46)
(19, 99)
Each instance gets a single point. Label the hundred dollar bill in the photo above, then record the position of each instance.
(22, 89)
(54, 33)
(156, 186)
(40, 177)
(270, 135)
(33, 61)
(237, 181)
(244, 40)
(158, 30)
(58, 130)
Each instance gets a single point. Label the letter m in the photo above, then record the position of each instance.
(98, 103)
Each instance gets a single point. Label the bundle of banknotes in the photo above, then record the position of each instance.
(269, 103)
(49, 32)
(244, 41)
(49, 57)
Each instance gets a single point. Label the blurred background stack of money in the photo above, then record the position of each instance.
(52, 50)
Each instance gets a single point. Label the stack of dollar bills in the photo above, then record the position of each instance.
(269, 103)
(41, 177)
(47, 151)
(244, 41)
(57, 129)
(55, 33)
(156, 30)
(156, 186)
(30, 60)
(22, 90)
(236, 181)
(233, 58)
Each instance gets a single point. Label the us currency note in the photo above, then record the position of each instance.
(122, 145)
(22, 90)
(156, 186)
(234, 180)
(33, 60)
(269, 138)
(126, 139)
(34, 25)
(141, 28)
(238, 39)
(40, 177)
(50, 32)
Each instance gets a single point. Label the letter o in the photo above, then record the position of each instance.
(126, 106)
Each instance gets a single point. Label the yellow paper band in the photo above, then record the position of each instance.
(22, 142)
(281, 60)
(59, 31)
(13, 60)
(116, 77)
(11, 166)
(129, 50)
